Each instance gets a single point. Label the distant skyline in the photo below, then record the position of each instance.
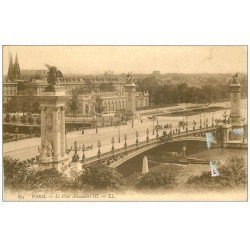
(135, 59)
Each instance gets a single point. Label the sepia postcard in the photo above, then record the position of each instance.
(125, 123)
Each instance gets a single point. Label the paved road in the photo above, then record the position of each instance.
(29, 147)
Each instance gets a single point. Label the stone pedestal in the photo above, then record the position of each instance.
(235, 114)
(226, 131)
(130, 97)
(145, 165)
(235, 97)
(53, 149)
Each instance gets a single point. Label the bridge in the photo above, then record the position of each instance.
(115, 158)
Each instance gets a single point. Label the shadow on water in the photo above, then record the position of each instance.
(163, 153)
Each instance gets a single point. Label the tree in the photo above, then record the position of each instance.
(49, 179)
(7, 118)
(13, 105)
(14, 119)
(23, 103)
(102, 178)
(31, 104)
(38, 120)
(52, 78)
(31, 120)
(74, 104)
(15, 173)
(232, 175)
(19, 176)
(24, 119)
(149, 84)
(155, 180)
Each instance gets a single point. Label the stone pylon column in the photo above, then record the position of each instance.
(56, 138)
(235, 101)
(130, 95)
(43, 130)
(52, 130)
(63, 140)
(145, 165)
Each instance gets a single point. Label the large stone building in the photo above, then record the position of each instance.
(112, 100)
(70, 83)
(9, 90)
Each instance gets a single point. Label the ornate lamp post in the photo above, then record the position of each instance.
(30, 131)
(83, 126)
(16, 131)
(153, 118)
(157, 134)
(186, 124)
(225, 117)
(137, 141)
(96, 125)
(207, 122)
(75, 157)
(99, 149)
(125, 141)
(75, 147)
(157, 118)
(66, 145)
(194, 124)
(147, 131)
(119, 133)
(83, 153)
(184, 150)
(132, 120)
(113, 148)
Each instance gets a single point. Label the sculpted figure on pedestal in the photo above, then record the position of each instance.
(235, 78)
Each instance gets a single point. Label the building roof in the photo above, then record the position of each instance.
(33, 72)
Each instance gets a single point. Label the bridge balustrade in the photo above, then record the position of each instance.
(144, 146)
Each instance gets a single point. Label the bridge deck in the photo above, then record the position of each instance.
(134, 150)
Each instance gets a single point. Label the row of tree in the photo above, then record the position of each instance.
(89, 87)
(19, 176)
(25, 119)
(23, 104)
(165, 94)
(74, 104)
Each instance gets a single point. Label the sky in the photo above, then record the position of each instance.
(135, 59)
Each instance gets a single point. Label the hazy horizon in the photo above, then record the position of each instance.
(136, 59)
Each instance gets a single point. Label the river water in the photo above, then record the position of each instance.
(164, 159)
